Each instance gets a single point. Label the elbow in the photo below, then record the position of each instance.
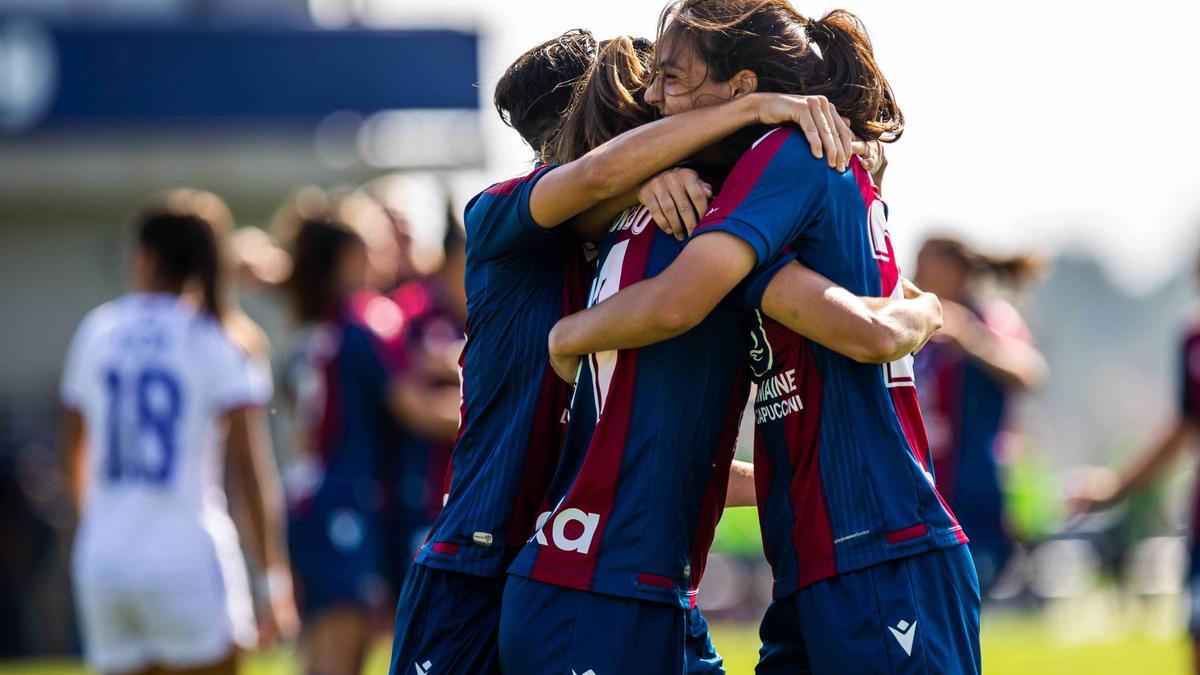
(674, 316)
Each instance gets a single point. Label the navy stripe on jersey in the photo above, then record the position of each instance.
(520, 280)
(843, 444)
(645, 466)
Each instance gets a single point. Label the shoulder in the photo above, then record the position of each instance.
(779, 156)
(102, 320)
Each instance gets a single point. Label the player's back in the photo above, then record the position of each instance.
(152, 379)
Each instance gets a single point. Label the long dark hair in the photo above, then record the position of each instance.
(776, 42)
(318, 234)
(608, 99)
(182, 230)
(534, 93)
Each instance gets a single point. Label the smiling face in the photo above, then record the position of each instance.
(683, 81)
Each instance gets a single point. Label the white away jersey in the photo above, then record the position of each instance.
(152, 378)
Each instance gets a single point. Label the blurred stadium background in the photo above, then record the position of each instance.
(1032, 126)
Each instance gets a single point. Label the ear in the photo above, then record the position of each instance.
(743, 82)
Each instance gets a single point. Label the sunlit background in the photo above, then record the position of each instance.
(1062, 128)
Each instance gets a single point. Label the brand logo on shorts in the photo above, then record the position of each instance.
(571, 530)
(904, 632)
(589, 671)
(423, 668)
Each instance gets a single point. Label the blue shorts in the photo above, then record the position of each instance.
(554, 630)
(447, 623)
(702, 658)
(336, 559)
(918, 614)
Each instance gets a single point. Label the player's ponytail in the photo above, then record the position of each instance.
(851, 79)
(607, 100)
(1013, 270)
(181, 230)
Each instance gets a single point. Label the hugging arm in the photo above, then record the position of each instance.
(619, 166)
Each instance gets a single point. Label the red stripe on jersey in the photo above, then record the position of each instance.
(745, 176)
(812, 532)
(595, 488)
(508, 186)
(546, 436)
(906, 533)
(655, 580)
(445, 548)
(712, 505)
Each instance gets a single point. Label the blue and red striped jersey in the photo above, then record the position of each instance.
(651, 436)
(965, 409)
(841, 461)
(338, 374)
(520, 279)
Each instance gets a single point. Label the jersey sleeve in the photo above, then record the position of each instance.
(749, 293)
(771, 197)
(498, 220)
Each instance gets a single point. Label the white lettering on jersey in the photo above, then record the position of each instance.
(877, 215)
(777, 397)
(581, 542)
(607, 283)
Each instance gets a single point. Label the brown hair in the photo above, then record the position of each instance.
(607, 101)
(318, 231)
(535, 91)
(1017, 270)
(775, 42)
(182, 229)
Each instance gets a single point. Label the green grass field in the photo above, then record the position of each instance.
(1010, 646)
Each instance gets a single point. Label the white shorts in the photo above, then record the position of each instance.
(188, 626)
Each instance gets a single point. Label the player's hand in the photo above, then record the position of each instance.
(1092, 489)
(677, 199)
(871, 155)
(933, 305)
(280, 621)
(828, 134)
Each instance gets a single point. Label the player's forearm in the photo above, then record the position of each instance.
(262, 492)
(625, 162)
(1013, 362)
(909, 322)
(741, 485)
(637, 316)
(867, 330)
(1147, 467)
(431, 412)
(73, 440)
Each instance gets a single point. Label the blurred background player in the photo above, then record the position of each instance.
(968, 375)
(352, 407)
(1101, 488)
(164, 389)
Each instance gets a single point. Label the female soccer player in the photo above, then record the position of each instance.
(345, 376)
(525, 269)
(644, 468)
(967, 377)
(870, 573)
(164, 388)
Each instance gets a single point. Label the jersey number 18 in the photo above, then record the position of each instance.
(158, 404)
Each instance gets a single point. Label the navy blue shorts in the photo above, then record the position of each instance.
(447, 623)
(554, 630)
(913, 615)
(702, 658)
(336, 560)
